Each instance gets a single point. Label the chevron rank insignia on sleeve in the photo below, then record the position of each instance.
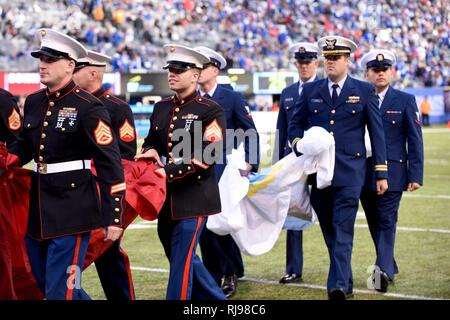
(103, 134)
(213, 132)
(126, 132)
(14, 120)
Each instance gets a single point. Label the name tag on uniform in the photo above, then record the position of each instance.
(353, 99)
(393, 112)
(289, 99)
(317, 100)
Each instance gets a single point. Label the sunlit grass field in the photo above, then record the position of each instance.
(422, 254)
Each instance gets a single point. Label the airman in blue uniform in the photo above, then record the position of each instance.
(220, 254)
(404, 148)
(113, 266)
(306, 62)
(343, 106)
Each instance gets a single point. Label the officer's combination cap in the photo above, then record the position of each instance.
(378, 59)
(94, 59)
(336, 46)
(216, 58)
(304, 51)
(58, 45)
(184, 58)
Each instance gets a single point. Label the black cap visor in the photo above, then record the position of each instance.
(305, 57)
(179, 65)
(50, 53)
(375, 64)
(80, 65)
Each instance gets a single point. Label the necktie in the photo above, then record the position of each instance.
(334, 95)
(379, 101)
(300, 89)
(207, 96)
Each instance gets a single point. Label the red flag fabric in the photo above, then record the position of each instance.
(14, 201)
(145, 196)
(146, 192)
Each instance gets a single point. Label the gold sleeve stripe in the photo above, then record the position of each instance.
(118, 187)
(294, 142)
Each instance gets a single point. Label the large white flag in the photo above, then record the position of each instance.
(256, 223)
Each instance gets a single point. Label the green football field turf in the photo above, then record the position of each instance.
(422, 248)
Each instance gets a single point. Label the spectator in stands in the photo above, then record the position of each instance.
(425, 108)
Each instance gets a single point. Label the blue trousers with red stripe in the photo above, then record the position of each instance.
(113, 269)
(188, 277)
(56, 265)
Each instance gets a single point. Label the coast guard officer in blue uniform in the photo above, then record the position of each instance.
(306, 62)
(192, 188)
(220, 254)
(113, 266)
(64, 129)
(343, 106)
(404, 147)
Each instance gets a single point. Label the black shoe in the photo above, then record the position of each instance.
(291, 277)
(337, 294)
(384, 281)
(229, 285)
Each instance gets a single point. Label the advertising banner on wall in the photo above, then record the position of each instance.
(25, 83)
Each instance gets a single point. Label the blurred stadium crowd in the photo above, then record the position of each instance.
(253, 35)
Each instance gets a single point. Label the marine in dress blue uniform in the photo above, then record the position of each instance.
(113, 266)
(404, 147)
(343, 106)
(192, 188)
(64, 129)
(220, 254)
(306, 62)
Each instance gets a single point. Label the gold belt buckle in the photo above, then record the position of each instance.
(42, 168)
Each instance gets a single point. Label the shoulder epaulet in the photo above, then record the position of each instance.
(85, 95)
(166, 99)
(36, 92)
(114, 99)
(206, 102)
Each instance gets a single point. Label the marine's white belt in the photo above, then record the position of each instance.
(47, 168)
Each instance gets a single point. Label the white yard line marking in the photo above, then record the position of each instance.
(309, 286)
(437, 176)
(436, 130)
(426, 196)
(360, 216)
(408, 229)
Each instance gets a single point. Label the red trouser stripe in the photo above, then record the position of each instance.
(130, 279)
(187, 266)
(69, 293)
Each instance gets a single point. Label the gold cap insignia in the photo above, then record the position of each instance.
(43, 33)
(172, 49)
(380, 57)
(301, 50)
(330, 43)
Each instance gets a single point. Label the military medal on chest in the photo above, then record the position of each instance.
(68, 113)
